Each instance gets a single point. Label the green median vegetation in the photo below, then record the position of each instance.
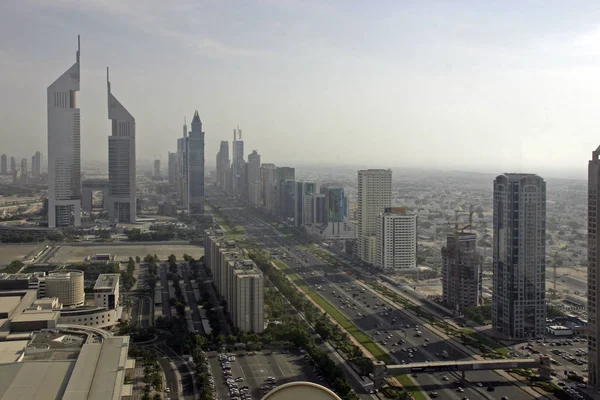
(410, 387)
(344, 322)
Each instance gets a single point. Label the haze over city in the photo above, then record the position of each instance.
(474, 86)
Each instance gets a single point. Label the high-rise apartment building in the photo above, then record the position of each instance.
(3, 164)
(593, 289)
(237, 160)
(460, 271)
(284, 174)
(254, 178)
(13, 165)
(196, 167)
(519, 295)
(268, 178)
(374, 195)
(24, 170)
(396, 240)
(121, 161)
(64, 149)
(223, 165)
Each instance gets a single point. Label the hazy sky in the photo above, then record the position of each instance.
(510, 85)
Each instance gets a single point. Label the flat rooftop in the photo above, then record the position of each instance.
(9, 304)
(107, 281)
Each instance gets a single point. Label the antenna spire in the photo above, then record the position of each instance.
(78, 47)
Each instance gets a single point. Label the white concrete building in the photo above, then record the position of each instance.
(374, 195)
(121, 162)
(248, 308)
(64, 149)
(396, 240)
(519, 295)
(106, 291)
(67, 286)
(254, 185)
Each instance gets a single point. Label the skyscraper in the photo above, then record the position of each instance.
(284, 174)
(593, 295)
(36, 164)
(460, 271)
(182, 189)
(374, 195)
(237, 159)
(519, 295)
(13, 165)
(157, 168)
(196, 167)
(121, 161)
(24, 166)
(3, 165)
(268, 176)
(64, 149)
(396, 240)
(254, 178)
(172, 170)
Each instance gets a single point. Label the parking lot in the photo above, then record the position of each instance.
(252, 372)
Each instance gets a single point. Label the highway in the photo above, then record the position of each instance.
(365, 309)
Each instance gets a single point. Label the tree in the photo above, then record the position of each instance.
(138, 259)
(172, 258)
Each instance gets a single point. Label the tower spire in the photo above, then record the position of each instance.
(78, 47)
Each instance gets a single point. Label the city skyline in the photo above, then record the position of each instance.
(411, 116)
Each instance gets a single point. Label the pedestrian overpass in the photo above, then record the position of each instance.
(380, 369)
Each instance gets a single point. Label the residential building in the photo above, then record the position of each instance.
(593, 271)
(121, 161)
(3, 165)
(519, 256)
(64, 149)
(13, 165)
(460, 271)
(396, 240)
(196, 167)
(254, 178)
(374, 195)
(284, 174)
(36, 164)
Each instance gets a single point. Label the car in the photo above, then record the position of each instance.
(479, 384)
(434, 394)
(504, 398)
(445, 378)
(460, 390)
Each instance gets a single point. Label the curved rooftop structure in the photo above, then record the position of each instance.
(301, 391)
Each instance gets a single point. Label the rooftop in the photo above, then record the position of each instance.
(107, 281)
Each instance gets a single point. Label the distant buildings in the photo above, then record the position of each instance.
(157, 173)
(24, 166)
(182, 175)
(223, 167)
(460, 271)
(593, 287)
(36, 164)
(268, 180)
(396, 240)
(64, 150)
(195, 169)
(519, 255)
(13, 165)
(238, 281)
(172, 170)
(254, 178)
(237, 161)
(121, 162)
(374, 195)
(3, 165)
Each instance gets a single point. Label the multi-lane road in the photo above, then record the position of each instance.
(365, 310)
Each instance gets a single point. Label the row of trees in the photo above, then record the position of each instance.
(127, 276)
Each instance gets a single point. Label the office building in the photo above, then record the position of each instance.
(13, 165)
(106, 291)
(460, 271)
(396, 240)
(3, 164)
(593, 271)
(67, 286)
(64, 149)
(254, 178)
(121, 162)
(519, 256)
(374, 195)
(157, 173)
(172, 170)
(24, 169)
(196, 167)
(314, 213)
